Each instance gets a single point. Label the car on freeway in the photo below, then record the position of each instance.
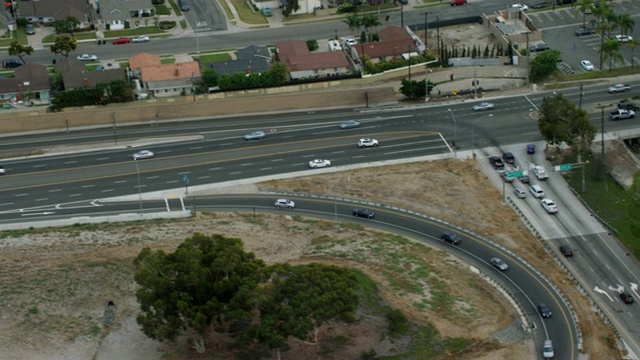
(626, 297)
(582, 31)
(121, 40)
(29, 29)
(366, 142)
(87, 57)
(547, 349)
(509, 158)
(624, 38)
(140, 39)
(539, 47)
(619, 88)
(544, 310)
(587, 65)
(566, 250)
(531, 149)
(2, 171)
(536, 191)
(505, 176)
(319, 163)
(521, 7)
(496, 162)
(143, 154)
(362, 212)
(524, 179)
(483, 106)
(450, 237)
(285, 203)
(349, 124)
(520, 193)
(351, 42)
(549, 206)
(254, 135)
(499, 264)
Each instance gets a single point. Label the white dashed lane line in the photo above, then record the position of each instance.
(75, 195)
(120, 181)
(55, 190)
(203, 177)
(265, 169)
(235, 173)
(42, 199)
(153, 177)
(39, 165)
(70, 162)
(103, 158)
(24, 194)
(108, 190)
(87, 186)
(246, 164)
(215, 168)
(172, 181)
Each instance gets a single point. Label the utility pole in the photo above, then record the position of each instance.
(581, 93)
(401, 15)
(528, 61)
(426, 28)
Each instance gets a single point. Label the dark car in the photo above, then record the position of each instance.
(582, 31)
(524, 179)
(626, 297)
(509, 158)
(531, 148)
(544, 310)
(29, 29)
(566, 250)
(450, 237)
(628, 105)
(365, 213)
(496, 162)
(539, 47)
(184, 5)
(12, 63)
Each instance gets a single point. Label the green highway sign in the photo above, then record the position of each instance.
(513, 174)
(563, 167)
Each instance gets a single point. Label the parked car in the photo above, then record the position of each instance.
(499, 264)
(140, 39)
(544, 310)
(536, 191)
(12, 63)
(351, 42)
(626, 298)
(549, 206)
(587, 65)
(509, 158)
(350, 124)
(30, 29)
(496, 162)
(520, 193)
(547, 349)
(362, 212)
(566, 250)
(521, 7)
(531, 148)
(184, 5)
(285, 203)
(582, 31)
(255, 135)
(619, 88)
(121, 40)
(624, 38)
(539, 47)
(483, 106)
(319, 163)
(450, 237)
(366, 142)
(458, 2)
(143, 154)
(87, 57)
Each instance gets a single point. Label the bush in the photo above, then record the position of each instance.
(312, 45)
(166, 25)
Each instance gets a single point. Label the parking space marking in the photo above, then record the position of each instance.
(549, 17)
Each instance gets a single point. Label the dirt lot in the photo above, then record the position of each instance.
(56, 283)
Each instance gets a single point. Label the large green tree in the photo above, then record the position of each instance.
(544, 65)
(208, 280)
(19, 50)
(370, 21)
(67, 25)
(561, 121)
(63, 45)
(611, 51)
(353, 21)
(291, 7)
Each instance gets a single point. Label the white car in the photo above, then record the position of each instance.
(587, 65)
(140, 39)
(2, 172)
(547, 349)
(619, 88)
(521, 7)
(367, 143)
(624, 38)
(536, 191)
(520, 193)
(351, 41)
(319, 163)
(87, 57)
(255, 135)
(285, 203)
(549, 206)
(143, 154)
(483, 106)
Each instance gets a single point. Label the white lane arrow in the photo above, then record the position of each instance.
(42, 213)
(94, 202)
(604, 292)
(634, 288)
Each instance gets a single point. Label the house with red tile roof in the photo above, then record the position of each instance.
(304, 64)
(163, 80)
(394, 42)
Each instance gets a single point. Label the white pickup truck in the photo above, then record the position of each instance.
(620, 114)
(539, 172)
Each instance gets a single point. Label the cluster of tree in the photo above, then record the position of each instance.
(116, 91)
(393, 63)
(367, 21)
(416, 89)
(447, 52)
(561, 121)
(211, 284)
(543, 65)
(604, 22)
(277, 75)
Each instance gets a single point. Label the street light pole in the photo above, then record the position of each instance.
(409, 60)
(139, 185)
(455, 134)
(473, 135)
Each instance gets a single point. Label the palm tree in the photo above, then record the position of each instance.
(632, 45)
(353, 21)
(611, 51)
(370, 21)
(601, 24)
(584, 6)
(626, 23)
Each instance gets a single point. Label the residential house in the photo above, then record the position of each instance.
(31, 82)
(304, 64)
(163, 80)
(115, 14)
(46, 12)
(306, 6)
(252, 59)
(6, 23)
(75, 74)
(394, 42)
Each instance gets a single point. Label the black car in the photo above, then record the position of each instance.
(626, 297)
(12, 63)
(451, 238)
(582, 31)
(509, 158)
(628, 105)
(544, 310)
(496, 162)
(365, 213)
(539, 47)
(566, 250)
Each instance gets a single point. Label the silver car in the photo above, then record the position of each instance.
(520, 193)
(255, 135)
(499, 264)
(349, 124)
(143, 154)
(140, 39)
(483, 106)
(285, 203)
(319, 163)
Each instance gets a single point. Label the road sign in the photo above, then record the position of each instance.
(185, 179)
(563, 167)
(515, 174)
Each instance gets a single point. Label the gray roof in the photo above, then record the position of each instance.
(57, 9)
(121, 9)
(254, 59)
(75, 74)
(32, 77)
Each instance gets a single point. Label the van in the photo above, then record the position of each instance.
(536, 191)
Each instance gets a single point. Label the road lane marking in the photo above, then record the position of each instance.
(215, 168)
(277, 160)
(42, 199)
(246, 164)
(39, 165)
(184, 173)
(139, 186)
(70, 162)
(171, 181)
(120, 181)
(235, 173)
(87, 186)
(108, 190)
(163, 152)
(23, 194)
(152, 177)
(265, 169)
(203, 177)
(103, 158)
(55, 190)
(74, 195)
(195, 148)
(5, 204)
